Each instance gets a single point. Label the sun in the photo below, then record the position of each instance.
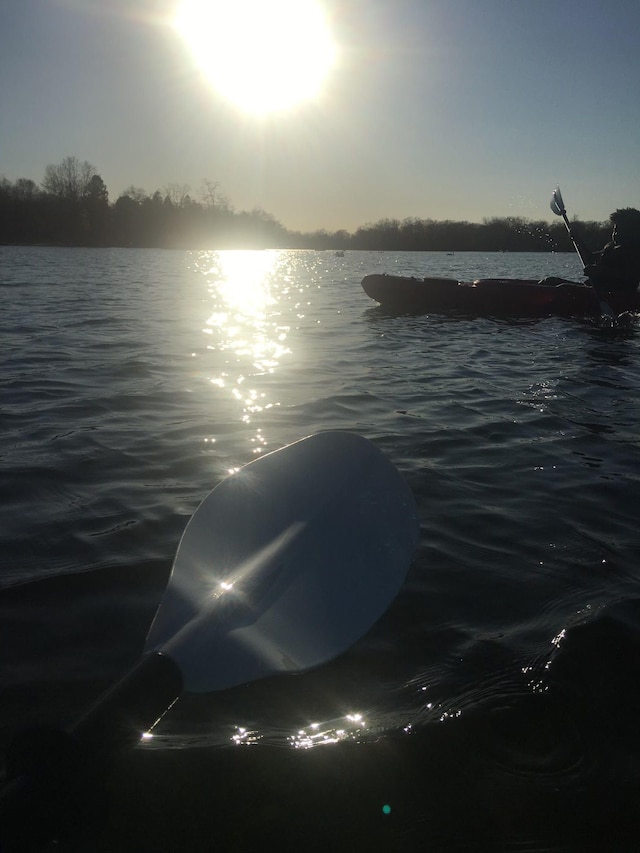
(264, 55)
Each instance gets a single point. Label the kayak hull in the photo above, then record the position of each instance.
(492, 297)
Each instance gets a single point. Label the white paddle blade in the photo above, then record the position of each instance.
(557, 204)
(287, 563)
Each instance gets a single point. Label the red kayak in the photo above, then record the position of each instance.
(493, 297)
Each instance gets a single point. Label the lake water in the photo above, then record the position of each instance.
(493, 707)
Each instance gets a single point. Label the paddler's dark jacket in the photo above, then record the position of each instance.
(616, 266)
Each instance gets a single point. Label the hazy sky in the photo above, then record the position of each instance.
(444, 109)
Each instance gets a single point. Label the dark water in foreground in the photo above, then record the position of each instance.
(494, 707)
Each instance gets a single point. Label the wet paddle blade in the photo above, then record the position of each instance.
(557, 204)
(287, 563)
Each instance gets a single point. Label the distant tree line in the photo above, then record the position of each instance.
(71, 207)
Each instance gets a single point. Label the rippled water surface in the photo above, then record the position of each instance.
(494, 706)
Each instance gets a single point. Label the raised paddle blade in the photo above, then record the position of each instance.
(557, 204)
(287, 563)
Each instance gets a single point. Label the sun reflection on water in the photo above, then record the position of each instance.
(349, 727)
(248, 337)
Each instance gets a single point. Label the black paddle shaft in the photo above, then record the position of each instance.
(130, 708)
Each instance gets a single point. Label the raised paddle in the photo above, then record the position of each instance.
(282, 567)
(557, 206)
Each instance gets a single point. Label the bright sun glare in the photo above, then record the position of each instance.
(264, 55)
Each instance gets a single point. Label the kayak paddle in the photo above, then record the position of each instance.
(282, 567)
(557, 206)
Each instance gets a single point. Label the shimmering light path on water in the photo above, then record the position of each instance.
(493, 707)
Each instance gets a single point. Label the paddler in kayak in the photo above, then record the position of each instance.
(616, 267)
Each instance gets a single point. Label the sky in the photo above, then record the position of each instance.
(433, 109)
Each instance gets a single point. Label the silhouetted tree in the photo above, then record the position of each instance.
(95, 206)
(70, 179)
(78, 204)
(178, 194)
(213, 198)
(127, 221)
